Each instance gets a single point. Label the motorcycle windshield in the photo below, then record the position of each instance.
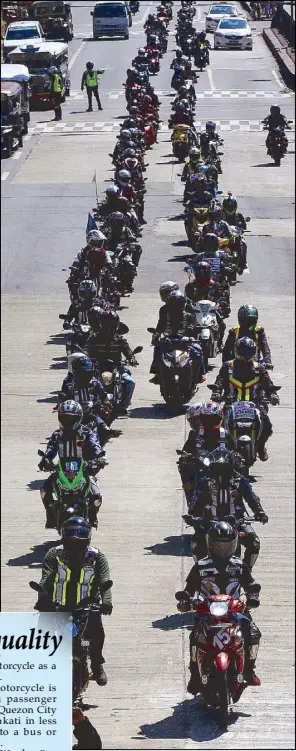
(70, 474)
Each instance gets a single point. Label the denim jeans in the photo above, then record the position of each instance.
(128, 387)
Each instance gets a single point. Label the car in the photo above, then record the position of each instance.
(233, 33)
(19, 33)
(216, 12)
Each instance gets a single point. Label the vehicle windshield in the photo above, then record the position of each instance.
(236, 23)
(24, 33)
(109, 10)
(222, 10)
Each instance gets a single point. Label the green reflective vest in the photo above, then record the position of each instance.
(57, 83)
(92, 78)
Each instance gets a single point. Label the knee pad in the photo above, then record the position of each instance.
(255, 634)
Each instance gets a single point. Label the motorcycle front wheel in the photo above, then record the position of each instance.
(223, 693)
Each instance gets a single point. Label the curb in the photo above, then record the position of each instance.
(283, 59)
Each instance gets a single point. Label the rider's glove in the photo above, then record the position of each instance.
(106, 608)
(274, 400)
(66, 325)
(183, 606)
(262, 517)
(133, 362)
(252, 602)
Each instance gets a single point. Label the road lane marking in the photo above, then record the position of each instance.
(210, 77)
(17, 155)
(278, 80)
(251, 126)
(4, 175)
(75, 56)
(142, 21)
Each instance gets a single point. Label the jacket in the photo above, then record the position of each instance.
(197, 441)
(244, 381)
(208, 577)
(66, 583)
(79, 444)
(85, 81)
(195, 291)
(71, 390)
(185, 323)
(212, 501)
(256, 333)
(100, 348)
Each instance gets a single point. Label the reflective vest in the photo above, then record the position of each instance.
(255, 332)
(64, 573)
(91, 78)
(242, 389)
(57, 83)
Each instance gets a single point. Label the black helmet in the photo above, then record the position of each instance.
(245, 348)
(210, 242)
(70, 415)
(248, 316)
(83, 369)
(221, 463)
(76, 534)
(221, 540)
(94, 317)
(202, 36)
(177, 300)
(275, 109)
(87, 290)
(203, 271)
(210, 125)
(110, 320)
(215, 212)
(117, 217)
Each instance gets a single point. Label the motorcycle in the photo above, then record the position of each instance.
(208, 328)
(71, 489)
(154, 65)
(178, 380)
(180, 141)
(277, 144)
(198, 545)
(201, 59)
(220, 652)
(79, 336)
(125, 270)
(244, 422)
(111, 379)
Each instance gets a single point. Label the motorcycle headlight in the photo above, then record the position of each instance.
(107, 378)
(219, 608)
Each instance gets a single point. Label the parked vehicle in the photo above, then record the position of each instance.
(110, 19)
(20, 33)
(55, 19)
(20, 74)
(39, 58)
(12, 122)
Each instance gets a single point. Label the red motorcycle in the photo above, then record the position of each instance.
(220, 653)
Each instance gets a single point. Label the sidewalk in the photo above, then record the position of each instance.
(283, 52)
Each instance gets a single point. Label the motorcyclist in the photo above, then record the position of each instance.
(248, 326)
(199, 195)
(204, 287)
(222, 572)
(216, 224)
(206, 434)
(72, 571)
(177, 60)
(106, 344)
(141, 58)
(244, 379)
(70, 442)
(191, 161)
(275, 120)
(182, 115)
(87, 293)
(94, 256)
(220, 495)
(174, 319)
(230, 213)
(123, 180)
(117, 230)
(207, 250)
(200, 40)
(82, 386)
(209, 135)
(123, 138)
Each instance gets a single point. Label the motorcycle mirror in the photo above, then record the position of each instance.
(151, 330)
(247, 219)
(137, 350)
(40, 453)
(277, 388)
(179, 452)
(122, 328)
(36, 587)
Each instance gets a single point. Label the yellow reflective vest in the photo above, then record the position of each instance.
(91, 79)
(57, 83)
(64, 573)
(242, 389)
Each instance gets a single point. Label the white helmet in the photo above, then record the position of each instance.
(96, 238)
(74, 356)
(193, 414)
(141, 52)
(166, 288)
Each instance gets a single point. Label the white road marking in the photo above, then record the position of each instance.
(142, 21)
(278, 80)
(75, 56)
(17, 155)
(210, 77)
(27, 137)
(4, 175)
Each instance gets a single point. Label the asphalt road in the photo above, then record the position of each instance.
(47, 191)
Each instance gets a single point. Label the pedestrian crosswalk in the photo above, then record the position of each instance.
(77, 128)
(208, 94)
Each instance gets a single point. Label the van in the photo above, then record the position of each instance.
(110, 19)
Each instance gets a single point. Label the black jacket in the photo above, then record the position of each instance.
(256, 333)
(211, 577)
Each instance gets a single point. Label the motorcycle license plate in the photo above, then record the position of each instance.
(71, 467)
(244, 411)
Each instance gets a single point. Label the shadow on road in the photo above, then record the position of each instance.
(47, 400)
(153, 412)
(266, 164)
(181, 243)
(35, 484)
(56, 339)
(35, 558)
(173, 545)
(191, 719)
(59, 365)
(172, 622)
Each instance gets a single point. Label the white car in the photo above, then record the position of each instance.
(20, 33)
(216, 12)
(233, 33)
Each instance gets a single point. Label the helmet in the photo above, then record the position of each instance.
(221, 540)
(199, 179)
(210, 242)
(221, 463)
(117, 216)
(124, 177)
(76, 534)
(96, 239)
(89, 65)
(129, 152)
(130, 122)
(87, 290)
(83, 369)
(94, 317)
(202, 36)
(275, 109)
(179, 54)
(193, 415)
(194, 154)
(74, 356)
(153, 38)
(165, 290)
(210, 125)
(215, 212)
(113, 190)
(230, 204)
(184, 103)
(52, 69)
(203, 271)
(125, 134)
(248, 315)
(245, 349)
(134, 110)
(70, 415)
(210, 415)
(141, 52)
(177, 300)
(131, 145)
